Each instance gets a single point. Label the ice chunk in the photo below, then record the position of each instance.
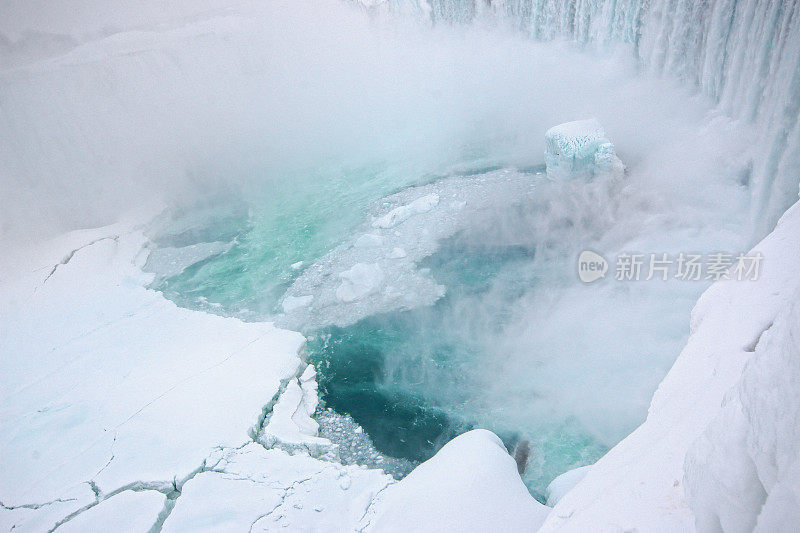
(396, 253)
(402, 213)
(359, 281)
(580, 149)
(369, 240)
(290, 425)
(290, 303)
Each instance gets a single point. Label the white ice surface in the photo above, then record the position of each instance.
(254, 489)
(471, 484)
(722, 426)
(105, 381)
(290, 424)
(129, 511)
(121, 410)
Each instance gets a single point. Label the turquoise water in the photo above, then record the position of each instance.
(273, 228)
(408, 377)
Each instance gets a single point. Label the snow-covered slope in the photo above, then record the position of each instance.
(722, 427)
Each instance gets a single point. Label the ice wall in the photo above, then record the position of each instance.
(744, 55)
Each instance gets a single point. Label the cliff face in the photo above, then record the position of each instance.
(718, 450)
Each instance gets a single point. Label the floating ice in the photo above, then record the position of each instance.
(404, 212)
(290, 426)
(396, 253)
(369, 240)
(423, 216)
(580, 149)
(359, 281)
(290, 303)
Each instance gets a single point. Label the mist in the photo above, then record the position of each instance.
(162, 112)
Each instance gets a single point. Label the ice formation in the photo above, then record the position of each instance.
(580, 149)
(471, 484)
(719, 447)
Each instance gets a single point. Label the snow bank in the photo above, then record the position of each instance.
(107, 386)
(471, 484)
(719, 447)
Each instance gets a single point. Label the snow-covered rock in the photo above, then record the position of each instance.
(471, 484)
(719, 446)
(742, 472)
(580, 149)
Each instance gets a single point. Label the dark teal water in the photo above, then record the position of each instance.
(401, 375)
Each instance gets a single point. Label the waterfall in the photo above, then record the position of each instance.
(744, 54)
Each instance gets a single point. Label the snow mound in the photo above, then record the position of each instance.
(580, 149)
(471, 484)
